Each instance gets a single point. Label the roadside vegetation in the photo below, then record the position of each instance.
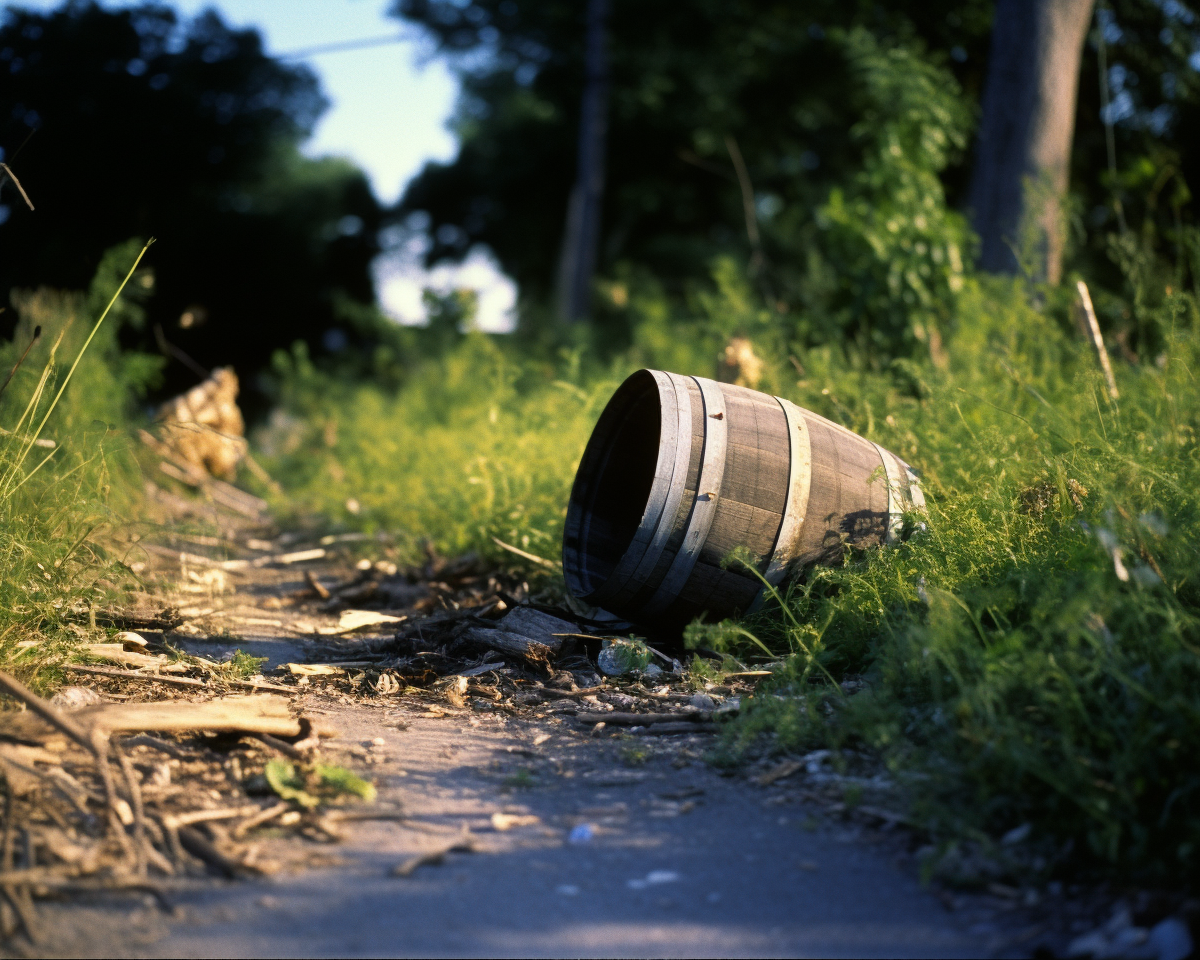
(1025, 665)
(66, 471)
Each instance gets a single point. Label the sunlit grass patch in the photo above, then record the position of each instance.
(58, 470)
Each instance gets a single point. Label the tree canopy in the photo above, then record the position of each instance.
(789, 86)
(130, 123)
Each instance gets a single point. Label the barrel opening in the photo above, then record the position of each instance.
(612, 488)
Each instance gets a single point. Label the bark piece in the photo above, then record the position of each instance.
(511, 643)
(237, 714)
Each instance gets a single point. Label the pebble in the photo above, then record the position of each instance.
(1118, 939)
(72, 698)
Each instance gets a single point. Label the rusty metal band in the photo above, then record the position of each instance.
(708, 493)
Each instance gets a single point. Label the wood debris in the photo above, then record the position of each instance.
(90, 815)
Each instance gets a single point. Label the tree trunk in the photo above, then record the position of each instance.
(582, 235)
(1023, 154)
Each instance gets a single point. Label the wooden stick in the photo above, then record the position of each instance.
(1092, 329)
(139, 813)
(13, 177)
(134, 675)
(197, 846)
(201, 816)
(23, 905)
(263, 816)
(47, 711)
(145, 740)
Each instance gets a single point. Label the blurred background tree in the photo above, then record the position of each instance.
(732, 128)
(825, 148)
(128, 123)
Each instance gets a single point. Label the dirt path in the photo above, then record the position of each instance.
(681, 862)
(621, 845)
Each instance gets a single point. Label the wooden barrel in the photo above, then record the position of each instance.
(681, 471)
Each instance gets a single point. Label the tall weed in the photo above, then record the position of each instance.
(64, 463)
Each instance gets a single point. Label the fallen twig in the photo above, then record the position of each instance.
(145, 740)
(12, 176)
(464, 844)
(202, 816)
(318, 588)
(533, 558)
(47, 711)
(260, 818)
(134, 675)
(194, 843)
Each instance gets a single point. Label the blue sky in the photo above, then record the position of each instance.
(388, 110)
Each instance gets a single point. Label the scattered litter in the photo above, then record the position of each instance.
(131, 641)
(352, 620)
(312, 669)
(653, 878)
(109, 818)
(581, 834)
(204, 426)
(72, 698)
(504, 822)
(619, 657)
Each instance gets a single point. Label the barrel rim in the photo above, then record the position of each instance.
(624, 400)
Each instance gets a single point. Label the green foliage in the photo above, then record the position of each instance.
(1031, 653)
(891, 249)
(628, 655)
(149, 123)
(684, 79)
(242, 665)
(312, 786)
(64, 464)
(478, 443)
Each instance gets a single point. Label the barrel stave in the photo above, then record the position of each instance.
(782, 484)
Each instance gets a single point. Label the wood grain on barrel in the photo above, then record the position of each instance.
(751, 508)
(733, 470)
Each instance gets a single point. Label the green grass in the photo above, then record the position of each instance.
(65, 471)
(1030, 653)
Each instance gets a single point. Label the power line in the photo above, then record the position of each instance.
(339, 47)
